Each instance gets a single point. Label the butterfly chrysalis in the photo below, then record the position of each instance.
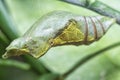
(59, 28)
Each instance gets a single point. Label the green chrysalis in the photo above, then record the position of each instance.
(59, 28)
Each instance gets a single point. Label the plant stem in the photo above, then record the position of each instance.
(14, 63)
(98, 7)
(3, 39)
(88, 57)
(36, 64)
(6, 24)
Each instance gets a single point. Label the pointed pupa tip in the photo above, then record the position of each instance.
(108, 23)
(113, 20)
(5, 56)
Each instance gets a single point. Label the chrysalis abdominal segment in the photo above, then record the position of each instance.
(59, 28)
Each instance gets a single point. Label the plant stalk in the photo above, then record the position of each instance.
(98, 7)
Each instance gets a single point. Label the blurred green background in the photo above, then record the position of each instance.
(60, 59)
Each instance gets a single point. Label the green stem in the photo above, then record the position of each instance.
(14, 63)
(6, 24)
(88, 57)
(3, 39)
(36, 64)
(103, 9)
(98, 7)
